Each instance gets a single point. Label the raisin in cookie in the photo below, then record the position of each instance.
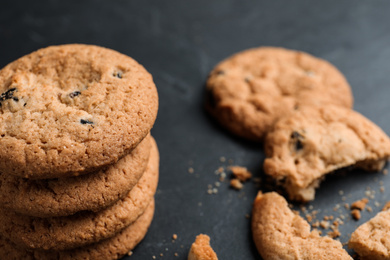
(280, 234)
(312, 142)
(249, 91)
(66, 196)
(71, 109)
(371, 240)
(108, 249)
(201, 249)
(61, 233)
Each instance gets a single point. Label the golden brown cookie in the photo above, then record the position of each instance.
(71, 109)
(371, 240)
(83, 228)
(250, 90)
(201, 249)
(310, 143)
(66, 196)
(280, 234)
(112, 248)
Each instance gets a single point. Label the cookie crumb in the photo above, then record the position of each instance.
(324, 224)
(161, 254)
(334, 233)
(191, 170)
(130, 253)
(356, 214)
(174, 236)
(359, 204)
(240, 173)
(385, 171)
(222, 159)
(236, 184)
(154, 257)
(176, 254)
(369, 209)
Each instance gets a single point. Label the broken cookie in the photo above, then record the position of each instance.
(201, 249)
(280, 234)
(312, 142)
(371, 240)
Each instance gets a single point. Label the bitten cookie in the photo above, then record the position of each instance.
(371, 240)
(280, 234)
(249, 91)
(66, 196)
(83, 228)
(305, 146)
(201, 249)
(68, 110)
(112, 248)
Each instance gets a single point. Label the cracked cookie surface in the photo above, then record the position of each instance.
(70, 109)
(249, 91)
(312, 142)
(111, 248)
(280, 234)
(66, 196)
(83, 228)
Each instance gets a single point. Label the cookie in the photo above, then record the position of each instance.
(249, 91)
(66, 196)
(71, 109)
(201, 249)
(62, 233)
(305, 146)
(112, 248)
(280, 234)
(371, 240)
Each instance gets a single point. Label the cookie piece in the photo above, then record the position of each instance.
(249, 91)
(201, 249)
(371, 240)
(83, 228)
(280, 234)
(312, 142)
(68, 110)
(112, 248)
(66, 196)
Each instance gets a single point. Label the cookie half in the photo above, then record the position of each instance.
(280, 234)
(312, 142)
(250, 90)
(371, 240)
(69, 110)
(83, 228)
(66, 196)
(112, 248)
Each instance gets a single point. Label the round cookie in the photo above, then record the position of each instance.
(112, 248)
(68, 110)
(249, 91)
(66, 196)
(83, 228)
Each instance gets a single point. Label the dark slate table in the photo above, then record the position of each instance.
(179, 42)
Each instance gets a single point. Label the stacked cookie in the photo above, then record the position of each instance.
(79, 168)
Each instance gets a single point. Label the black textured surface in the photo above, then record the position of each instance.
(179, 42)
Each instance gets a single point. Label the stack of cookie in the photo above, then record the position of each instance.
(79, 168)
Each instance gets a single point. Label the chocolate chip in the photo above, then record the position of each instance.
(297, 139)
(74, 94)
(25, 104)
(220, 72)
(15, 99)
(85, 122)
(247, 80)
(118, 74)
(9, 94)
